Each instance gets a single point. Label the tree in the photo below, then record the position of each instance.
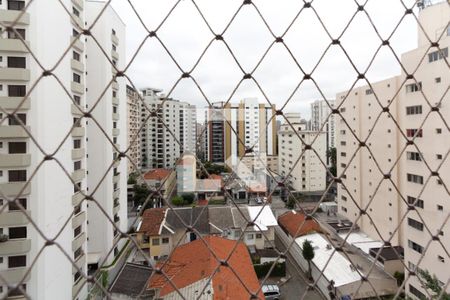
(400, 277)
(177, 201)
(433, 284)
(132, 179)
(141, 193)
(308, 254)
(188, 198)
(290, 203)
(331, 155)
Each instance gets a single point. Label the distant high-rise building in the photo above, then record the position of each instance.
(414, 110)
(168, 134)
(133, 126)
(305, 173)
(234, 127)
(201, 141)
(323, 120)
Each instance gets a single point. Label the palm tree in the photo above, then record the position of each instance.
(308, 254)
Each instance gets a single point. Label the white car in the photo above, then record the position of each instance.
(139, 208)
(271, 291)
(259, 201)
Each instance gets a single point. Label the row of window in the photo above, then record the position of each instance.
(15, 62)
(16, 232)
(437, 55)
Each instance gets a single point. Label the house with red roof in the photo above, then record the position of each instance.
(295, 224)
(163, 180)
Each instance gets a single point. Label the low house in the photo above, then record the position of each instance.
(198, 274)
(295, 224)
(131, 283)
(162, 180)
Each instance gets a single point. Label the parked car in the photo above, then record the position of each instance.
(139, 208)
(271, 291)
(258, 201)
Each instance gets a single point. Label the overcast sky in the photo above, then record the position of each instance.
(186, 36)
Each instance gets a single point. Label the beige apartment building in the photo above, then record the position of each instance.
(404, 147)
(133, 123)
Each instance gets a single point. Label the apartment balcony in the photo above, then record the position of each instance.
(77, 87)
(115, 101)
(78, 44)
(116, 178)
(19, 246)
(78, 241)
(10, 103)
(77, 198)
(114, 39)
(78, 153)
(80, 263)
(115, 85)
(116, 208)
(115, 131)
(13, 218)
(14, 74)
(15, 160)
(77, 132)
(78, 3)
(13, 45)
(116, 194)
(76, 21)
(78, 219)
(10, 16)
(13, 189)
(77, 287)
(15, 275)
(78, 175)
(115, 116)
(75, 110)
(77, 65)
(114, 54)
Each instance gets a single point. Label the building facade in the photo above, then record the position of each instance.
(306, 173)
(323, 120)
(408, 151)
(168, 133)
(234, 127)
(133, 126)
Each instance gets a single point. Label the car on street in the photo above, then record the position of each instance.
(271, 291)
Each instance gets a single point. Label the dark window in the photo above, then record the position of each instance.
(412, 132)
(165, 240)
(74, 33)
(17, 62)
(78, 253)
(13, 121)
(76, 56)
(16, 90)
(14, 292)
(76, 144)
(416, 247)
(437, 55)
(415, 224)
(416, 292)
(77, 165)
(18, 232)
(15, 5)
(115, 109)
(419, 203)
(13, 206)
(413, 156)
(77, 187)
(76, 276)
(76, 78)
(414, 178)
(20, 34)
(414, 87)
(17, 261)
(75, 11)
(17, 147)
(77, 99)
(77, 122)
(414, 110)
(77, 231)
(17, 175)
(77, 209)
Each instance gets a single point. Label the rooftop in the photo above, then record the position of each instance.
(361, 240)
(152, 219)
(157, 174)
(294, 223)
(193, 262)
(131, 280)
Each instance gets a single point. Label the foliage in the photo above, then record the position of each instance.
(212, 169)
(290, 203)
(308, 254)
(432, 284)
(132, 179)
(141, 193)
(216, 202)
(104, 276)
(331, 155)
(279, 269)
(188, 198)
(400, 277)
(178, 201)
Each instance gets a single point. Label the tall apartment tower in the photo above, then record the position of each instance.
(133, 126)
(233, 127)
(410, 165)
(308, 174)
(319, 116)
(50, 198)
(109, 98)
(166, 136)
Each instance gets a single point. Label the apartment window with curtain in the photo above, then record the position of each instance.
(17, 34)
(13, 120)
(17, 232)
(77, 165)
(16, 90)
(17, 175)
(17, 147)
(17, 261)
(76, 78)
(76, 56)
(15, 292)
(17, 62)
(13, 206)
(16, 5)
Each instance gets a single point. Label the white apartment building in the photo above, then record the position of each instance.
(234, 127)
(111, 114)
(309, 174)
(390, 149)
(169, 133)
(133, 126)
(320, 115)
(50, 199)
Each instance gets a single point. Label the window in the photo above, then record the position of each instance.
(77, 231)
(344, 208)
(17, 175)
(17, 232)
(437, 80)
(17, 261)
(414, 87)
(20, 34)
(412, 132)
(76, 144)
(416, 247)
(437, 55)
(415, 224)
(15, 5)
(440, 207)
(114, 47)
(13, 120)
(74, 33)
(369, 91)
(438, 130)
(113, 31)
(76, 56)
(78, 253)
(165, 240)
(114, 109)
(14, 206)
(16, 90)
(17, 147)
(414, 178)
(77, 165)
(76, 122)
(76, 78)
(155, 242)
(17, 62)
(75, 11)
(441, 259)
(416, 292)
(76, 276)
(343, 154)
(259, 236)
(414, 110)
(419, 203)
(15, 292)
(250, 236)
(413, 156)
(439, 156)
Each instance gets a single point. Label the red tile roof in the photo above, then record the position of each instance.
(294, 223)
(192, 262)
(152, 219)
(157, 174)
